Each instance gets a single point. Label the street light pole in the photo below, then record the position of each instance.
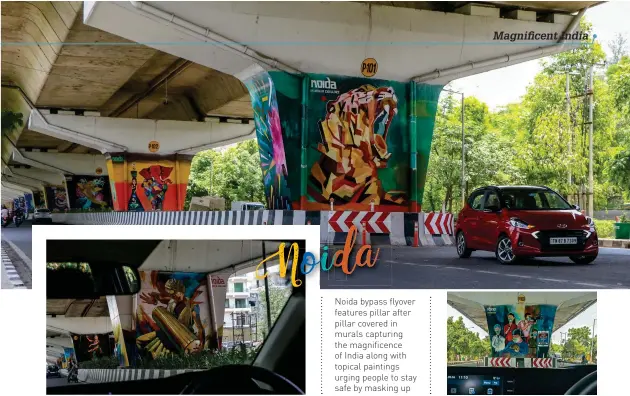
(590, 141)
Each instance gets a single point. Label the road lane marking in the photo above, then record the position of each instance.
(590, 284)
(519, 276)
(594, 285)
(553, 280)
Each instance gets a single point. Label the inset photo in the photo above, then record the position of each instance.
(522, 343)
(175, 316)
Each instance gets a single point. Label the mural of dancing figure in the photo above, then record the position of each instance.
(155, 184)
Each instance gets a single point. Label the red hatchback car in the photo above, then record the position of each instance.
(524, 221)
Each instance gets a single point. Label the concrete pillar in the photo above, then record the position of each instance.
(143, 182)
(352, 140)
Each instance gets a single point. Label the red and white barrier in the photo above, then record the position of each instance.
(438, 223)
(375, 222)
(502, 362)
(542, 362)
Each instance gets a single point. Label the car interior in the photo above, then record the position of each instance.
(278, 368)
(575, 380)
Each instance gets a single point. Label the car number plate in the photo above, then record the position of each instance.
(562, 241)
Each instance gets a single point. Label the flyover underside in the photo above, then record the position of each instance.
(473, 305)
(343, 105)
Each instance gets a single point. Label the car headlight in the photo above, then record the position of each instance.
(518, 223)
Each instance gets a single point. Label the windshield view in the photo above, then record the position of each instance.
(176, 322)
(530, 199)
(490, 332)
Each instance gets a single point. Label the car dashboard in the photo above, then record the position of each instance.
(513, 381)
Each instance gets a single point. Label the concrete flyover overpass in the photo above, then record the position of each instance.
(119, 94)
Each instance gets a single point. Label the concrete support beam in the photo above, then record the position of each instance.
(301, 35)
(522, 15)
(483, 10)
(38, 175)
(91, 325)
(206, 256)
(77, 164)
(173, 137)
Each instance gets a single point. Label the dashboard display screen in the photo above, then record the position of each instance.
(474, 385)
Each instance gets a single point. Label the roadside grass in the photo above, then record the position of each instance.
(605, 228)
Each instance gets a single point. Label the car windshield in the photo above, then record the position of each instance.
(183, 320)
(532, 199)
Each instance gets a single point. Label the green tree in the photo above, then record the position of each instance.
(233, 174)
(463, 343)
(11, 121)
(278, 297)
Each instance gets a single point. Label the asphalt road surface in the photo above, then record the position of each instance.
(22, 236)
(440, 268)
(63, 381)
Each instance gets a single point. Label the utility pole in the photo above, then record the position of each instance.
(568, 95)
(590, 141)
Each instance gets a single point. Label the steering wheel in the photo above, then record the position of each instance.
(239, 379)
(585, 386)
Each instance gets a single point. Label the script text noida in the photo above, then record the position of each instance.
(341, 259)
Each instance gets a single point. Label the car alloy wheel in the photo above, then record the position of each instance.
(505, 254)
(462, 249)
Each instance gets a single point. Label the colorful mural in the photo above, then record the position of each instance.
(89, 192)
(172, 314)
(38, 199)
(68, 356)
(88, 347)
(270, 142)
(57, 200)
(29, 202)
(120, 350)
(149, 183)
(219, 284)
(355, 141)
(520, 330)
(357, 134)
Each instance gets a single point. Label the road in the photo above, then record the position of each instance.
(22, 237)
(440, 268)
(63, 381)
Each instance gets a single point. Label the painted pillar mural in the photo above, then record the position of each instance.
(520, 330)
(92, 346)
(142, 183)
(172, 314)
(56, 198)
(120, 350)
(219, 289)
(352, 141)
(89, 192)
(29, 202)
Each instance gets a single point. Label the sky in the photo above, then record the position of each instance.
(608, 19)
(584, 319)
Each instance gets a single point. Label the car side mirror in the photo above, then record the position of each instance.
(576, 207)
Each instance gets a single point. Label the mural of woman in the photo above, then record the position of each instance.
(509, 328)
(134, 204)
(95, 346)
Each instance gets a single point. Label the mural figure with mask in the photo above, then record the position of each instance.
(498, 341)
(517, 347)
(353, 148)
